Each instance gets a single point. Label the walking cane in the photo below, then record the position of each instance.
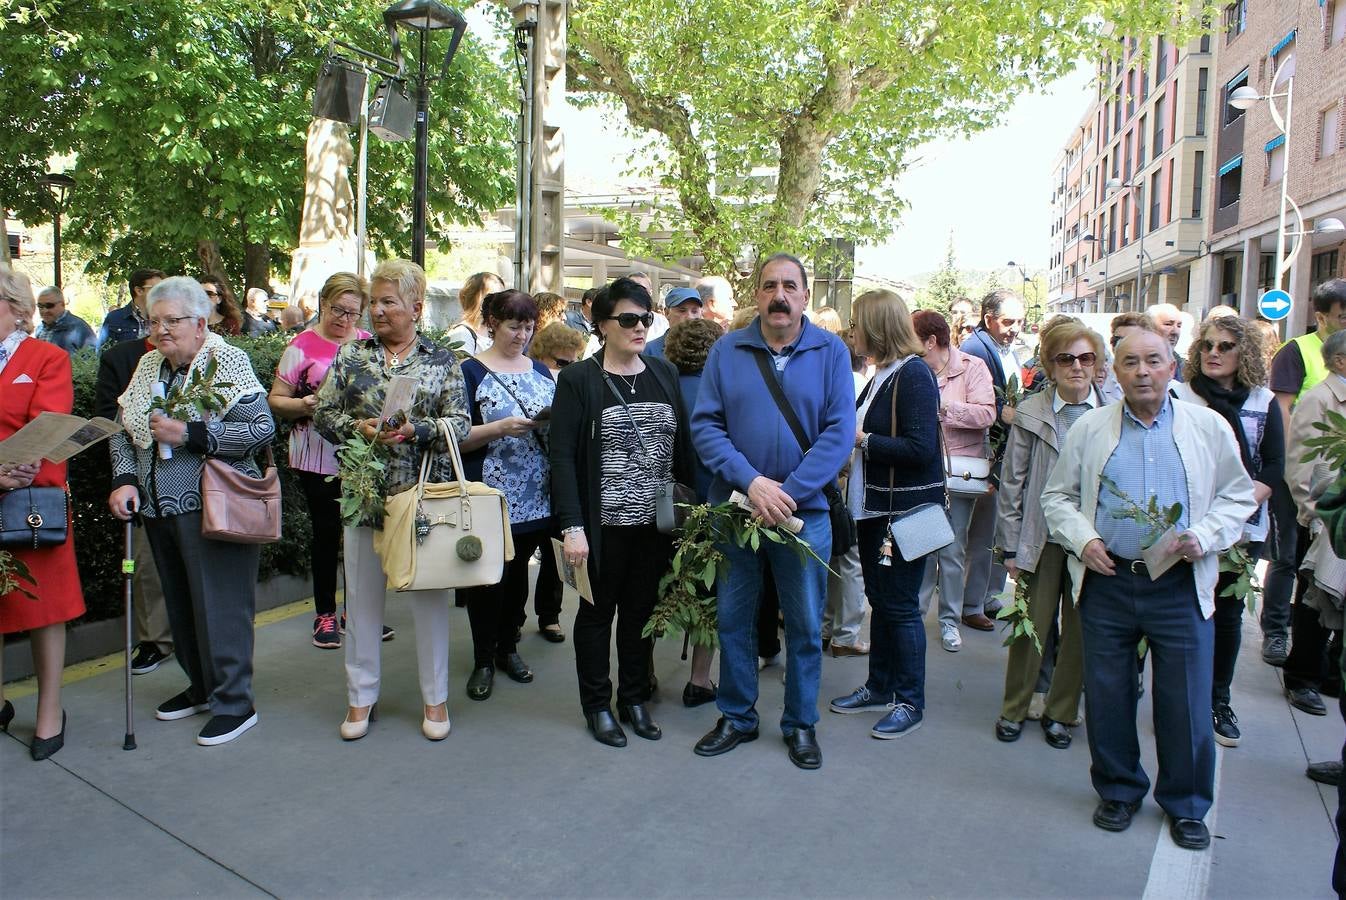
(128, 574)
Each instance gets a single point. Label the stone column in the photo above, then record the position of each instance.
(1250, 288)
(1301, 291)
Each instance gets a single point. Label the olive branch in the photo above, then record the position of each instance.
(200, 393)
(1330, 446)
(1015, 614)
(13, 572)
(686, 592)
(361, 464)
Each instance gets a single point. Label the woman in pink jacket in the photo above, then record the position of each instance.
(966, 411)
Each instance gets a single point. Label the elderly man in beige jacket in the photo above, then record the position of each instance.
(1184, 458)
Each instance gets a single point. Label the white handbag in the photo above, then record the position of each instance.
(968, 475)
(452, 534)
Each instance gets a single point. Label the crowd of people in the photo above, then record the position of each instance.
(1100, 487)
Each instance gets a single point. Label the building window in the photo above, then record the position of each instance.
(1235, 19)
(1130, 93)
(1231, 182)
(1266, 271)
(1198, 181)
(1205, 43)
(1284, 52)
(1126, 153)
(1123, 210)
(1202, 89)
(1275, 150)
(1117, 110)
(1155, 205)
(1322, 268)
(1140, 143)
(1159, 126)
(1336, 22)
(1144, 84)
(1233, 113)
(1329, 131)
(1161, 60)
(1137, 224)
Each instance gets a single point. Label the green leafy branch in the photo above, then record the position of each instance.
(361, 464)
(687, 600)
(198, 395)
(13, 572)
(1155, 519)
(1330, 446)
(1011, 395)
(1238, 561)
(1014, 612)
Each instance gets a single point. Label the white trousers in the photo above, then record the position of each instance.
(366, 592)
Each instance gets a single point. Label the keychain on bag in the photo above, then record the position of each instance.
(886, 550)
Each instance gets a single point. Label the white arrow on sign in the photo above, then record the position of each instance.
(1276, 303)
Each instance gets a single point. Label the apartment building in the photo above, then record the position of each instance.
(1254, 162)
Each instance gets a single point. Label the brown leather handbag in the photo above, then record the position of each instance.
(237, 508)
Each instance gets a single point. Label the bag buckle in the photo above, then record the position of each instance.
(34, 519)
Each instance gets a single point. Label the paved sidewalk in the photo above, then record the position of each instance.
(520, 801)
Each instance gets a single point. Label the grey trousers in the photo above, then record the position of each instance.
(947, 568)
(151, 615)
(845, 612)
(210, 590)
(985, 577)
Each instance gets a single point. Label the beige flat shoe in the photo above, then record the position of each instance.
(354, 729)
(436, 731)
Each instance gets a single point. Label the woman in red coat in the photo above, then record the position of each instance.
(35, 378)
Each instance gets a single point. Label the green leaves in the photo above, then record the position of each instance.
(1154, 520)
(13, 572)
(360, 467)
(1236, 560)
(1017, 616)
(1330, 445)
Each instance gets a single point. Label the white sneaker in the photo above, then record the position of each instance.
(950, 638)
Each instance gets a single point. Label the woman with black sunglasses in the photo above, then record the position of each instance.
(619, 431)
(1227, 371)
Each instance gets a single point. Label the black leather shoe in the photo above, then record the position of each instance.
(639, 718)
(605, 729)
(552, 633)
(1007, 730)
(1190, 834)
(45, 747)
(512, 664)
(804, 751)
(722, 738)
(1056, 733)
(7, 714)
(480, 683)
(1306, 700)
(696, 695)
(1327, 772)
(1115, 815)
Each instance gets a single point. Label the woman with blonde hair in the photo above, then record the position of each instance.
(828, 319)
(294, 395)
(1069, 356)
(1227, 371)
(895, 467)
(470, 332)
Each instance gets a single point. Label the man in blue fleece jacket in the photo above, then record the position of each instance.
(743, 439)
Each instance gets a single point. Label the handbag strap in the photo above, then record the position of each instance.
(939, 434)
(768, 373)
(455, 457)
(494, 376)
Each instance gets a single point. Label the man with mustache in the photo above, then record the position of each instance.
(745, 441)
(1181, 456)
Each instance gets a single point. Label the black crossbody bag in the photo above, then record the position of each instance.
(844, 535)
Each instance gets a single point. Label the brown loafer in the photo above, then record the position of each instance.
(979, 622)
(850, 650)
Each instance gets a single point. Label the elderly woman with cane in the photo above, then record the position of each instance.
(194, 397)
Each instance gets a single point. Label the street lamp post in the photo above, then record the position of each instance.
(58, 184)
(422, 17)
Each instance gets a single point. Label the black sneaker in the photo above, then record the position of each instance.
(179, 707)
(146, 659)
(325, 634)
(1226, 726)
(223, 729)
(1275, 650)
(388, 631)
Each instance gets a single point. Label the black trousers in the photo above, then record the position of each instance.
(1309, 665)
(626, 588)
(547, 591)
(324, 510)
(494, 610)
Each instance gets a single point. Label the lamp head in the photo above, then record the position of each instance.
(1244, 98)
(1329, 225)
(1112, 184)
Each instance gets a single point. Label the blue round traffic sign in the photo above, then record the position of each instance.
(1274, 305)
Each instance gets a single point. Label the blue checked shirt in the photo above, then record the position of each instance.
(1145, 464)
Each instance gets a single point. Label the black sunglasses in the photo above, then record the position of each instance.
(1222, 347)
(562, 363)
(49, 305)
(629, 320)
(1068, 359)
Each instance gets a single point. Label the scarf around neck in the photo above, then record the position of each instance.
(1228, 403)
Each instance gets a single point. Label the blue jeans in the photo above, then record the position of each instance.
(1115, 612)
(802, 586)
(896, 635)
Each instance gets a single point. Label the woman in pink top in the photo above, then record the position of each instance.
(966, 411)
(341, 304)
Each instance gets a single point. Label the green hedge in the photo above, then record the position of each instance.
(99, 537)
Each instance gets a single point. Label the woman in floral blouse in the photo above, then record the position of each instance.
(350, 400)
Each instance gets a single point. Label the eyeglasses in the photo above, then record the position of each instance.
(168, 324)
(348, 315)
(1212, 347)
(49, 305)
(1065, 360)
(214, 295)
(629, 320)
(561, 363)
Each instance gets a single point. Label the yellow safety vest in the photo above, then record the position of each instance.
(1315, 369)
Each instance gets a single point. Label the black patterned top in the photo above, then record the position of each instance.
(636, 460)
(355, 388)
(171, 487)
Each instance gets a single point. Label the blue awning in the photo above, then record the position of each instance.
(1284, 42)
(1231, 165)
(1274, 143)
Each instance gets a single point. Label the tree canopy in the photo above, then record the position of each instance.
(186, 121)
(780, 123)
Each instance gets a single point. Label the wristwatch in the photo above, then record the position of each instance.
(572, 529)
